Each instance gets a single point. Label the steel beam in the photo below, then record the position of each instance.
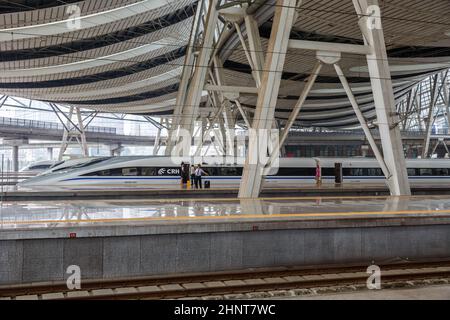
(330, 46)
(362, 121)
(296, 110)
(236, 89)
(254, 43)
(243, 113)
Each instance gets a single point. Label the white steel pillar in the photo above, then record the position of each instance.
(196, 84)
(252, 177)
(188, 67)
(377, 61)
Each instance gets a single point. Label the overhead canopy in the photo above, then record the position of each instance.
(127, 55)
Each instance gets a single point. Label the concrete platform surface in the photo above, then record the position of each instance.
(22, 220)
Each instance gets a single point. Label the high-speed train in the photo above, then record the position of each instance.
(159, 171)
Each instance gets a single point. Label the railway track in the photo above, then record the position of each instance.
(233, 284)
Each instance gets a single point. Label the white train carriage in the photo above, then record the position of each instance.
(160, 171)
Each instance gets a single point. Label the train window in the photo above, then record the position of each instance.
(412, 172)
(115, 172)
(425, 172)
(56, 164)
(440, 172)
(106, 173)
(228, 171)
(99, 173)
(327, 171)
(212, 171)
(310, 172)
(354, 172)
(39, 167)
(103, 173)
(129, 172)
(146, 171)
(374, 172)
(90, 162)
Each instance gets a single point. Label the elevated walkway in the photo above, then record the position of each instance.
(52, 131)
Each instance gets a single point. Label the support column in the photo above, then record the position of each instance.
(50, 153)
(115, 150)
(15, 158)
(383, 94)
(194, 91)
(252, 177)
(188, 67)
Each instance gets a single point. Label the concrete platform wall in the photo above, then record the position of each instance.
(36, 260)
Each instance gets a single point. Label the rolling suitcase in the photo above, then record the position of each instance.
(207, 184)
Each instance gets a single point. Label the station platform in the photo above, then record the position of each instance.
(14, 193)
(135, 238)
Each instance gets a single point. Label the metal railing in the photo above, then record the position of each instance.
(36, 124)
(357, 132)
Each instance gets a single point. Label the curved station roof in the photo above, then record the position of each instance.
(128, 55)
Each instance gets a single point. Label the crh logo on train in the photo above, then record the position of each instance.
(170, 171)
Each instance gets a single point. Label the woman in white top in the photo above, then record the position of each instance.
(192, 173)
(198, 176)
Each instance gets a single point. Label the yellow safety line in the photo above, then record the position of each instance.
(244, 216)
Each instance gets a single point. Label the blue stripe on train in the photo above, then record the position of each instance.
(238, 178)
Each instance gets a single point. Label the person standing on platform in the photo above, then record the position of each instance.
(192, 177)
(318, 174)
(184, 173)
(199, 172)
